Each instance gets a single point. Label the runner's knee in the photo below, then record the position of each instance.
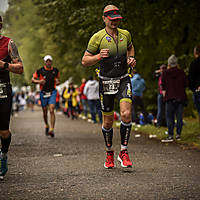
(107, 123)
(126, 115)
(5, 134)
(51, 110)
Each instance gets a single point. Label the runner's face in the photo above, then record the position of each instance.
(112, 24)
(48, 63)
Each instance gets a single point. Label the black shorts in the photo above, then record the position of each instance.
(5, 110)
(107, 100)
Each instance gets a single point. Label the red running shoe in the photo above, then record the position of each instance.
(109, 164)
(124, 159)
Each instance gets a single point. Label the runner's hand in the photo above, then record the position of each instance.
(42, 82)
(131, 61)
(104, 53)
(57, 82)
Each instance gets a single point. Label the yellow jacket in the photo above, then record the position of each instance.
(67, 97)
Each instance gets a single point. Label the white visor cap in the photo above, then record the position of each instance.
(48, 57)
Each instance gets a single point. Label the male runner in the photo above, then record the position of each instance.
(112, 47)
(10, 61)
(48, 78)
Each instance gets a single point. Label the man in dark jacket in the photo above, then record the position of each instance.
(194, 80)
(174, 82)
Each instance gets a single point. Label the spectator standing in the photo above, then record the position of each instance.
(83, 97)
(57, 106)
(138, 87)
(31, 100)
(70, 95)
(174, 82)
(62, 96)
(16, 100)
(160, 100)
(78, 99)
(91, 91)
(194, 78)
(22, 101)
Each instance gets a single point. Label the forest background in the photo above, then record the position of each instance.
(62, 29)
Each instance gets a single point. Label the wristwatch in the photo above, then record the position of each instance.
(5, 66)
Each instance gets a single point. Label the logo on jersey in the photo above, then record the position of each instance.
(121, 39)
(108, 38)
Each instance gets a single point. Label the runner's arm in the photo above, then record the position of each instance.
(58, 79)
(90, 59)
(36, 80)
(130, 56)
(16, 66)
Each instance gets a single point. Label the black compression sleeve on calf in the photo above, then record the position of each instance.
(125, 129)
(5, 143)
(108, 135)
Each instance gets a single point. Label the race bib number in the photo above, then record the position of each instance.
(46, 94)
(111, 86)
(3, 91)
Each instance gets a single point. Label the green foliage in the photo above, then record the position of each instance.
(24, 29)
(62, 29)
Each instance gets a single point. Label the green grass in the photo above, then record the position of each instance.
(190, 132)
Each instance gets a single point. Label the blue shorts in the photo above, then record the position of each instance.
(47, 99)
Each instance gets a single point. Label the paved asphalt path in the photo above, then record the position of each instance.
(70, 166)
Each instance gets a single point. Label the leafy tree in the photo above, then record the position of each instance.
(62, 29)
(24, 28)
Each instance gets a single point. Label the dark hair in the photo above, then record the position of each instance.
(197, 49)
(90, 78)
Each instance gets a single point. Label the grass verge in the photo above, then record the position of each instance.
(190, 132)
